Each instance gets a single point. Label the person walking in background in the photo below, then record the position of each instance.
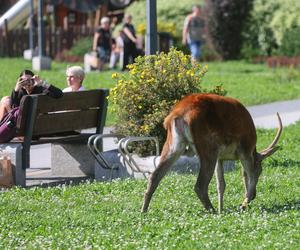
(192, 32)
(129, 39)
(75, 76)
(102, 42)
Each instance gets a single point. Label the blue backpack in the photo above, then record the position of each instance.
(8, 125)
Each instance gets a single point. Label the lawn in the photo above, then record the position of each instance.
(250, 83)
(105, 215)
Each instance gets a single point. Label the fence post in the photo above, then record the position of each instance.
(7, 38)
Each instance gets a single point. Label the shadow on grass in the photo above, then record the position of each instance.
(275, 209)
(278, 208)
(284, 163)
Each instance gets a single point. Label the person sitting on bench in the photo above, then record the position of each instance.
(28, 83)
(75, 76)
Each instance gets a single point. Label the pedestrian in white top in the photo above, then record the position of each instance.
(75, 76)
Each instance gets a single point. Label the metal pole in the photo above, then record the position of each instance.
(31, 26)
(151, 34)
(40, 29)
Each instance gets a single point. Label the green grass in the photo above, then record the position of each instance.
(254, 83)
(250, 83)
(105, 215)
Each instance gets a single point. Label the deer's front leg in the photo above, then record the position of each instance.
(221, 185)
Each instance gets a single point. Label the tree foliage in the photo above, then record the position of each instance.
(226, 20)
(273, 27)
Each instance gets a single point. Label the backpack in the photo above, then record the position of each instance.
(8, 125)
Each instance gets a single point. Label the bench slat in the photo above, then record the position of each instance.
(65, 121)
(82, 100)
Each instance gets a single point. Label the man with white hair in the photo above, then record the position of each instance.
(75, 76)
(102, 41)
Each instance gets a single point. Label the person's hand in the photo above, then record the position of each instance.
(21, 83)
(37, 80)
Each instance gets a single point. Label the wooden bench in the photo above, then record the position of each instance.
(58, 121)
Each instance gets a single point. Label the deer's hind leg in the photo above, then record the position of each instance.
(173, 148)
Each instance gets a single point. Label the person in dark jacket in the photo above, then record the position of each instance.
(27, 84)
(129, 40)
(102, 42)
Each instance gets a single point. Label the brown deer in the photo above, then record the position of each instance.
(215, 128)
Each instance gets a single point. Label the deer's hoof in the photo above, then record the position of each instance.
(144, 209)
(244, 206)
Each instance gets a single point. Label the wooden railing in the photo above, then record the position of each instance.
(14, 42)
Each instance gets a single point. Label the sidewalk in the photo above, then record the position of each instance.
(264, 116)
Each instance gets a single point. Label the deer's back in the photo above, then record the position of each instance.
(214, 118)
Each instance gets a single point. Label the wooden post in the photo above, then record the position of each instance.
(97, 18)
(7, 39)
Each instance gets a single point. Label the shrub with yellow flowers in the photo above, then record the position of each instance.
(144, 97)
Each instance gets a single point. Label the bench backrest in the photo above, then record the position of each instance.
(43, 115)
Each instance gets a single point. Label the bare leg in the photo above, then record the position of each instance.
(4, 106)
(221, 185)
(101, 65)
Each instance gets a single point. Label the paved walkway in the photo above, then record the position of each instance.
(264, 116)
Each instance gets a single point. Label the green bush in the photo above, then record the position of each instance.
(155, 83)
(225, 21)
(272, 24)
(81, 47)
(290, 44)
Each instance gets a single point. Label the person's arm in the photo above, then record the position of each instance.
(17, 93)
(15, 98)
(47, 88)
(185, 29)
(129, 34)
(95, 41)
(53, 91)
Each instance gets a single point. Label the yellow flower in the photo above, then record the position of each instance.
(114, 76)
(130, 66)
(133, 71)
(145, 128)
